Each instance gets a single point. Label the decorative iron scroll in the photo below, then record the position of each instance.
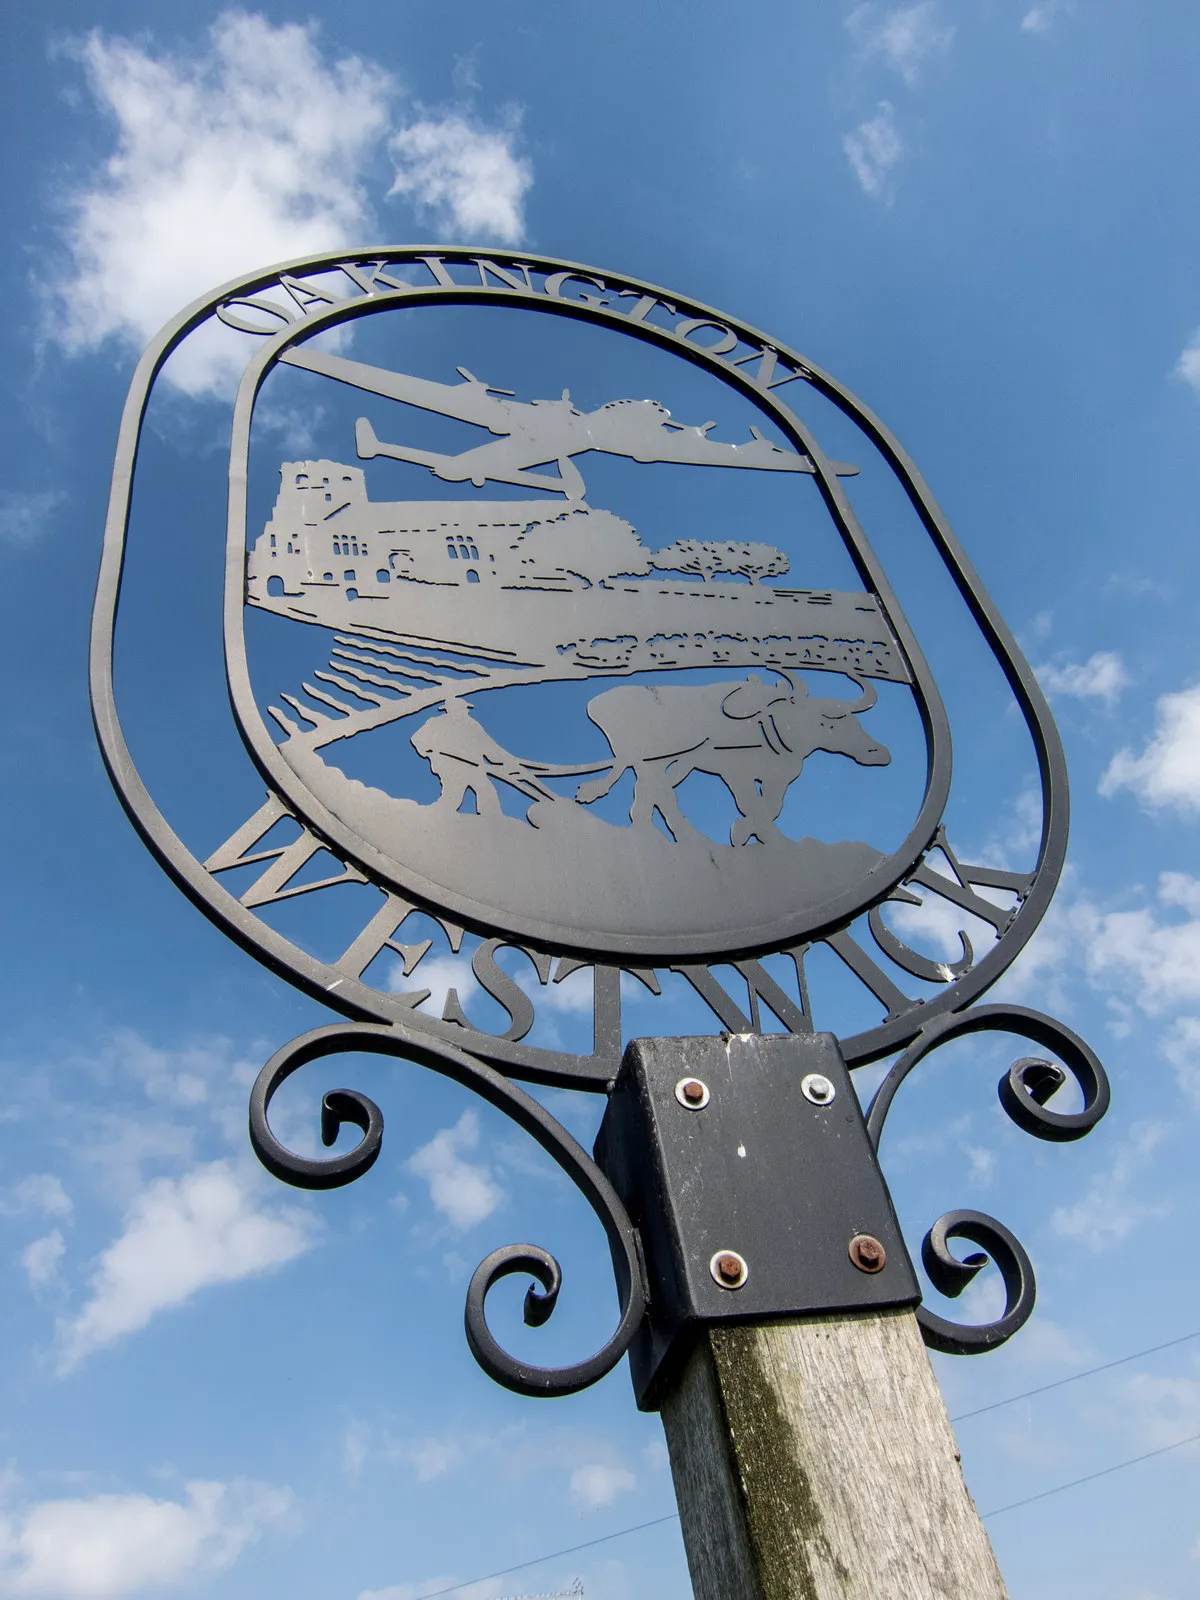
(342, 1106)
(1024, 1090)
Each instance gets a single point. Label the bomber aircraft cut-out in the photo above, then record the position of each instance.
(535, 433)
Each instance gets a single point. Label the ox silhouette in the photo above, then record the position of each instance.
(754, 736)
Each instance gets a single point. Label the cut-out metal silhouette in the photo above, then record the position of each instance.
(540, 431)
(754, 736)
(465, 759)
(531, 592)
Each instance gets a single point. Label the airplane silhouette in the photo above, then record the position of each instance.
(542, 431)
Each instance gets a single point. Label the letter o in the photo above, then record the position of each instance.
(242, 325)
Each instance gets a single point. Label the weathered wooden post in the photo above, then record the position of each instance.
(767, 1300)
(812, 1453)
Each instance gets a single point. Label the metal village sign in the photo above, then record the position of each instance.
(683, 675)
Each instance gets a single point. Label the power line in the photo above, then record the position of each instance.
(553, 1556)
(1058, 1383)
(1092, 1476)
(1075, 1376)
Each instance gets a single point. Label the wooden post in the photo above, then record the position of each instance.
(813, 1460)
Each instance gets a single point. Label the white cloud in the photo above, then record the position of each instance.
(1101, 677)
(1162, 1410)
(1037, 19)
(1167, 773)
(1159, 961)
(113, 1545)
(434, 1457)
(42, 1258)
(244, 154)
(905, 37)
(1181, 1046)
(1108, 1212)
(40, 1191)
(466, 179)
(438, 974)
(1148, 957)
(182, 1235)
(25, 514)
(1188, 365)
(182, 1078)
(463, 1191)
(252, 149)
(873, 150)
(595, 1486)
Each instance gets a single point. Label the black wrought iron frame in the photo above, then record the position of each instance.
(377, 1027)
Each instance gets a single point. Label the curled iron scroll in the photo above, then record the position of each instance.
(1024, 1090)
(347, 1106)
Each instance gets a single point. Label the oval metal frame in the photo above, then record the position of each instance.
(359, 1000)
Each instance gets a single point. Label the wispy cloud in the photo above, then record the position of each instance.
(464, 1192)
(112, 1545)
(25, 514)
(1167, 772)
(40, 1191)
(903, 37)
(873, 150)
(1181, 1046)
(466, 180)
(180, 1236)
(1111, 1209)
(1101, 677)
(596, 1485)
(1146, 956)
(42, 1260)
(253, 148)
(1188, 365)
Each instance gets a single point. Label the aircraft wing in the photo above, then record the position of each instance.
(467, 401)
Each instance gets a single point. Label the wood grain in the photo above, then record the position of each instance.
(813, 1460)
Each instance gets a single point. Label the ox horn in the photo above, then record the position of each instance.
(868, 697)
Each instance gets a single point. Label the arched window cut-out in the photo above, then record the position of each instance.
(472, 575)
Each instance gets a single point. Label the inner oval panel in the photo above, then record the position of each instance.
(560, 622)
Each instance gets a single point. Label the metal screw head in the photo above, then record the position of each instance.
(867, 1254)
(815, 1086)
(729, 1269)
(692, 1094)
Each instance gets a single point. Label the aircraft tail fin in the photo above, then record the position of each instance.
(365, 441)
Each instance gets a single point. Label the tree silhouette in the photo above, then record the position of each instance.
(590, 545)
(689, 555)
(707, 557)
(754, 561)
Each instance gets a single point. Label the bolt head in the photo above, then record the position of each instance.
(692, 1094)
(729, 1269)
(867, 1254)
(817, 1088)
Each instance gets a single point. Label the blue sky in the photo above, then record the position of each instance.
(981, 218)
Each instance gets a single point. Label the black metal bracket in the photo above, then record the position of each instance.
(745, 1164)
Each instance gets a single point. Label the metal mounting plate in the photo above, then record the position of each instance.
(761, 1171)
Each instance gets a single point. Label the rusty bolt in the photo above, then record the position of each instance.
(692, 1094)
(867, 1254)
(729, 1269)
